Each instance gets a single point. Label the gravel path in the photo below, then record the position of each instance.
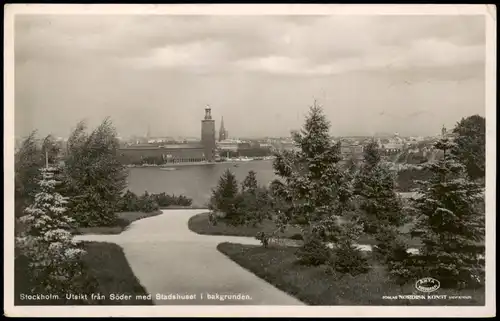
(171, 261)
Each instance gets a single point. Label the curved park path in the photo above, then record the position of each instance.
(168, 258)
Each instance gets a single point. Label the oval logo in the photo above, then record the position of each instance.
(427, 285)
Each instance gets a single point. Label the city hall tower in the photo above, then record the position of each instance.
(208, 135)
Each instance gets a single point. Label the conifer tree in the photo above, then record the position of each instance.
(379, 203)
(250, 182)
(224, 197)
(372, 156)
(450, 225)
(315, 188)
(47, 242)
(255, 201)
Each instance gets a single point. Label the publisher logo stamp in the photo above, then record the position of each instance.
(427, 285)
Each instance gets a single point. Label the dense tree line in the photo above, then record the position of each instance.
(330, 205)
(131, 202)
(57, 191)
(248, 204)
(334, 205)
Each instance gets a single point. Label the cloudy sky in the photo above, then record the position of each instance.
(406, 74)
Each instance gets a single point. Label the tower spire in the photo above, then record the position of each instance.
(222, 130)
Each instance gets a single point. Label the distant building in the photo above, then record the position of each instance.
(265, 145)
(351, 150)
(223, 134)
(228, 145)
(447, 133)
(393, 147)
(160, 152)
(208, 135)
(289, 146)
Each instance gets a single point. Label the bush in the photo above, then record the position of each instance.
(165, 200)
(263, 238)
(235, 214)
(147, 204)
(390, 246)
(212, 219)
(254, 206)
(297, 237)
(406, 178)
(129, 202)
(121, 222)
(348, 259)
(314, 252)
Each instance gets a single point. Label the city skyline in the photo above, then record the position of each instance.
(150, 133)
(406, 74)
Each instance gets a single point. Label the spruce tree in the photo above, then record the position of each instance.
(255, 201)
(225, 198)
(47, 242)
(378, 201)
(315, 188)
(250, 182)
(371, 155)
(450, 225)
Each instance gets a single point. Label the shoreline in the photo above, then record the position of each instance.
(197, 163)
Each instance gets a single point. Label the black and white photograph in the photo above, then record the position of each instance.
(249, 160)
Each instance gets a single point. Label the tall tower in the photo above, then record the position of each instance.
(443, 131)
(222, 130)
(208, 135)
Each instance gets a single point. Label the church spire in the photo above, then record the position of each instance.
(222, 130)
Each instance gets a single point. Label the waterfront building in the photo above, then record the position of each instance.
(226, 145)
(161, 153)
(208, 135)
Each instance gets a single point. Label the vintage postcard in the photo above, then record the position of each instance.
(249, 160)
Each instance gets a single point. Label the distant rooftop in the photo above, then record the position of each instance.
(166, 146)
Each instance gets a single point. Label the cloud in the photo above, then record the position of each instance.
(120, 64)
(275, 44)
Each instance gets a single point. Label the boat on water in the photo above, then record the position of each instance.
(168, 169)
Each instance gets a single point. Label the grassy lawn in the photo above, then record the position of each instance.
(311, 285)
(124, 220)
(201, 225)
(181, 207)
(106, 272)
